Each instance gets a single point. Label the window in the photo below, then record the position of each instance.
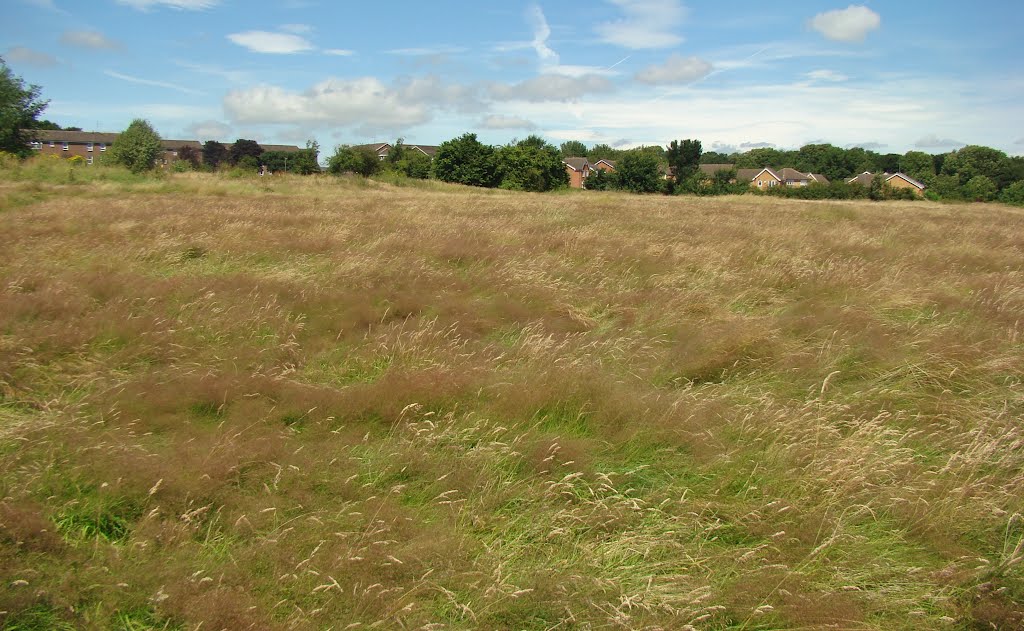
(51, 143)
(64, 146)
(88, 146)
(88, 160)
(103, 146)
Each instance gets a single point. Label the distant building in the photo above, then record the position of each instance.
(383, 149)
(91, 144)
(894, 180)
(579, 170)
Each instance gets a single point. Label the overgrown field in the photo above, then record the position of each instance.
(331, 404)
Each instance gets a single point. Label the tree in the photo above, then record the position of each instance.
(980, 188)
(1013, 194)
(187, 153)
(301, 162)
(974, 160)
(243, 147)
(683, 158)
(637, 172)
(137, 147)
(918, 165)
(601, 180)
(465, 160)
(531, 165)
(19, 108)
(714, 157)
(359, 160)
(408, 161)
(573, 149)
(214, 153)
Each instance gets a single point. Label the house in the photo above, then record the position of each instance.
(90, 144)
(604, 165)
(894, 180)
(67, 144)
(382, 149)
(710, 170)
(768, 177)
(579, 170)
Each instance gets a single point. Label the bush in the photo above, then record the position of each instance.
(1013, 194)
(138, 147)
(361, 161)
(979, 188)
(466, 160)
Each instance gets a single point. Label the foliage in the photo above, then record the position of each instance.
(531, 165)
(189, 155)
(683, 158)
(1013, 194)
(918, 165)
(137, 147)
(244, 147)
(214, 153)
(465, 160)
(408, 161)
(601, 180)
(638, 172)
(248, 163)
(979, 188)
(573, 149)
(20, 108)
(359, 160)
(974, 160)
(302, 162)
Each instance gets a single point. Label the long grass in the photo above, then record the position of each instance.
(320, 403)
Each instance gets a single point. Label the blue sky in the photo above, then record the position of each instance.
(926, 75)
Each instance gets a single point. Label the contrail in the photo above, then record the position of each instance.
(618, 62)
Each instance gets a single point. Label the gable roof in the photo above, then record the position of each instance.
(285, 148)
(174, 145)
(751, 174)
(711, 169)
(906, 178)
(610, 163)
(430, 150)
(864, 179)
(819, 178)
(77, 137)
(576, 164)
(788, 174)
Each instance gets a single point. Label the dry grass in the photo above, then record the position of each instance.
(312, 403)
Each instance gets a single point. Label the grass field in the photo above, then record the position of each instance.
(337, 404)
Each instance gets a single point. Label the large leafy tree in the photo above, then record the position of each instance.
(637, 172)
(466, 160)
(684, 158)
(242, 148)
(531, 165)
(918, 165)
(20, 108)
(137, 147)
(975, 160)
(361, 161)
(214, 153)
(573, 149)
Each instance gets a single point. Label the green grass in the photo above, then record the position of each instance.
(297, 403)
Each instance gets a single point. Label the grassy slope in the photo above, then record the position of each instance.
(309, 403)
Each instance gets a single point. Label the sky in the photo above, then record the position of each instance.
(929, 75)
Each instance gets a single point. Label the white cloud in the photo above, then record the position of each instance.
(550, 87)
(426, 50)
(647, 24)
(541, 33)
(271, 43)
(339, 102)
(851, 24)
(47, 4)
(186, 5)
(676, 69)
(499, 121)
(826, 75)
(151, 82)
(933, 141)
(29, 57)
(339, 52)
(208, 130)
(870, 146)
(88, 39)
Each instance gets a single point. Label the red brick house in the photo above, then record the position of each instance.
(579, 170)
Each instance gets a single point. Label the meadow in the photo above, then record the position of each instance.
(332, 403)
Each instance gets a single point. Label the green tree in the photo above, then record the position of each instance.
(714, 157)
(918, 165)
(1013, 194)
(683, 158)
(189, 155)
(465, 160)
(137, 147)
(531, 165)
(214, 153)
(408, 161)
(637, 172)
(359, 160)
(242, 148)
(601, 180)
(974, 160)
(20, 108)
(980, 188)
(603, 152)
(573, 149)
(826, 159)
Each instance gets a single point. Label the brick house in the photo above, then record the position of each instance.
(579, 170)
(67, 144)
(382, 149)
(893, 180)
(604, 165)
